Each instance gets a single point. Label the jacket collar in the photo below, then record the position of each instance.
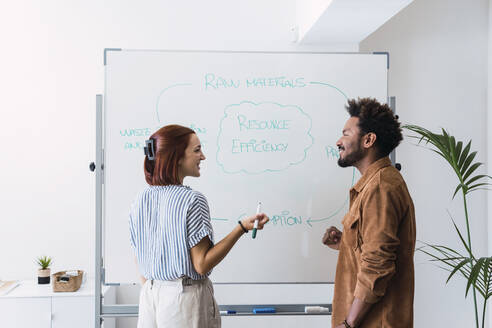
(371, 171)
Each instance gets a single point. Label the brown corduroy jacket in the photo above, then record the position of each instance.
(375, 261)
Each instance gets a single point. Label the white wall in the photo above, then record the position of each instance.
(438, 72)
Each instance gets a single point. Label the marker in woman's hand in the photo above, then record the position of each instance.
(255, 226)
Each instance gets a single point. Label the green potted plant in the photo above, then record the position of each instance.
(477, 271)
(44, 272)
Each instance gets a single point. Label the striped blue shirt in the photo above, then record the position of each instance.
(165, 223)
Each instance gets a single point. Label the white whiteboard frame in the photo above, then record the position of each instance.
(131, 310)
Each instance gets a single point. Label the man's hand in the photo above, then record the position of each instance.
(332, 238)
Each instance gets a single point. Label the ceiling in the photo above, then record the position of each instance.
(344, 21)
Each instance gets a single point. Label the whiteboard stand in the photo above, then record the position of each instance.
(98, 168)
(392, 105)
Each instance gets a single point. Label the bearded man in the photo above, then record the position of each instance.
(374, 282)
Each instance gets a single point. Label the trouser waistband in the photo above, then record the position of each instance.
(183, 281)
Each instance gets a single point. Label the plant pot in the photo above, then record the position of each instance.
(44, 276)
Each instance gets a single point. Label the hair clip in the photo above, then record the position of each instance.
(149, 149)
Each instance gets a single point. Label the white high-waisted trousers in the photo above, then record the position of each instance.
(180, 303)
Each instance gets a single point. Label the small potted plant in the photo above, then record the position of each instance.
(44, 272)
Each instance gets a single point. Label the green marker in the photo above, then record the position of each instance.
(255, 226)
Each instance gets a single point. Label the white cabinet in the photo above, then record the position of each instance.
(36, 306)
(73, 312)
(25, 312)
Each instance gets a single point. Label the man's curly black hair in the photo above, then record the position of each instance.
(379, 119)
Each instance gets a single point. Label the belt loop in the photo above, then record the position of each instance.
(181, 285)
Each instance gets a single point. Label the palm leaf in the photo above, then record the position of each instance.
(460, 159)
(478, 185)
(440, 154)
(452, 263)
(464, 155)
(452, 151)
(428, 137)
(459, 145)
(467, 162)
(458, 189)
(471, 170)
(461, 237)
(477, 177)
(480, 189)
(442, 249)
(475, 273)
(487, 277)
(456, 268)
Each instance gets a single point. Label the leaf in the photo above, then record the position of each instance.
(476, 177)
(467, 163)
(471, 188)
(445, 144)
(459, 145)
(452, 147)
(481, 283)
(450, 262)
(457, 189)
(471, 170)
(440, 154)
(461, 237)
(464, 155)
(433, 138)
(473, 276)
(456, 268)
(442, 249)
(449, 254)
(487, 276)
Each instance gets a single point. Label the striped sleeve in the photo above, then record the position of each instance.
(131, 223)
(199, 224)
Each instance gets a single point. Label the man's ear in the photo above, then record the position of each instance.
(369, 140)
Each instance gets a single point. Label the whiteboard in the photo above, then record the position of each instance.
(268, 123)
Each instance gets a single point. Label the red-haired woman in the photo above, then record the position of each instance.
(172, 236)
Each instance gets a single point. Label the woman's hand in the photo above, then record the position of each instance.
(205, 257)
(249, 222)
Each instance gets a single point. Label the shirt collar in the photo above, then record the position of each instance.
(370, 172)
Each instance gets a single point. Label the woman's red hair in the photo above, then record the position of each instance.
(170, 143)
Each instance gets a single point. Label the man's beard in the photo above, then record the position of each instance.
(353, 157)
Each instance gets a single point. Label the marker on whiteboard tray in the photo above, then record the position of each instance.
(316, 309)
(264, 310)
(227, 312)
(255, 226)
